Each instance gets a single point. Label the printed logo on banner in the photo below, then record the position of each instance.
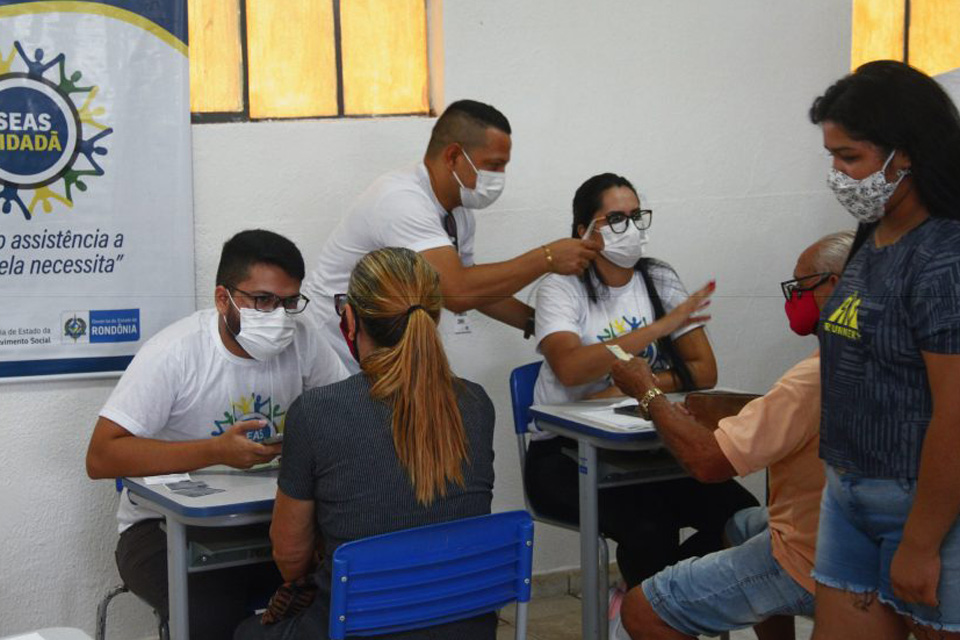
(98, 326)
(119, 325)
(43, 141)
(74, 325)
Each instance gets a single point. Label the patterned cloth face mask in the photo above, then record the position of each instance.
(865, 199)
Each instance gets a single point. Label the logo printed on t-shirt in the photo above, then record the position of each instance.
(843, 321)
(623, 325)
(619, 326)
(253, 407)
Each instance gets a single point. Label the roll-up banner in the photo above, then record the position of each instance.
(96, 206)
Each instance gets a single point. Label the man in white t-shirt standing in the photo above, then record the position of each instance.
(230, 372)
(428, 208)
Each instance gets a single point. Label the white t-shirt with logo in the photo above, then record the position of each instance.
(563, 305)
(399, 209)
(184, 384)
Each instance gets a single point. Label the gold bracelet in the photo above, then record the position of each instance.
(546, 251)
(648, 397)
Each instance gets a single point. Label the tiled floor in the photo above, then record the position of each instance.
(558, 618)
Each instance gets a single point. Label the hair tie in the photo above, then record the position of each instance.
(414, 308)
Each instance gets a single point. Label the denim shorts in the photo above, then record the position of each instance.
(729, 589)
(861, 524)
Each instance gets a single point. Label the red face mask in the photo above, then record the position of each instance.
(346, 336)
(802, 312)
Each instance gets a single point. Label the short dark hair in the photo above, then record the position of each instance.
(257, 246)
(895, 106)
(466, 122)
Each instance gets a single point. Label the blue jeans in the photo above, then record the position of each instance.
(729, 589)
(861, 525)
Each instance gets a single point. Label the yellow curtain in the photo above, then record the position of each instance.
(291, 58)
(216, 72)
(384, 52)
(935, 35)
(877, 31)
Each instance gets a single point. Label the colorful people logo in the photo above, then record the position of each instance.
(43, 132)
(253, 407)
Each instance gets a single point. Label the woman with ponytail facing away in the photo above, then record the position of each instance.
(402, 444)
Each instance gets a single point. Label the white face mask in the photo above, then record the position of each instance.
(489, 187)
(865, 199)
(263, 334)
(623, 249)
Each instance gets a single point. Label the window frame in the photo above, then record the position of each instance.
(219, 117)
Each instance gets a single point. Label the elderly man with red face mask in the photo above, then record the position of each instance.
(767, 574)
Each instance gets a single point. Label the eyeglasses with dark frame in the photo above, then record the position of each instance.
(267, 302)
(618, 220)
(340, 301)
(789, 287)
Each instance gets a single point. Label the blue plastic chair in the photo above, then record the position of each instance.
(522, 381)
(432, 575)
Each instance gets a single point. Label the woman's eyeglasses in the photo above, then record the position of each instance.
(340, 301)
(806, 283)
(619, 220)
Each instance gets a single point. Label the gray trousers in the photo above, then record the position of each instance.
(219, 599)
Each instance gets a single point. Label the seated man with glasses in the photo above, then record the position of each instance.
(766, 576)
(639, 304)
(207, 390)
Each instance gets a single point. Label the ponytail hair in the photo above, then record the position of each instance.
(397, 299)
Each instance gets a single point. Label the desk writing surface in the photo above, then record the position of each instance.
(243, 492)
(582, 417)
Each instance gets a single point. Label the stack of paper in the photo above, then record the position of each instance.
(615, 421)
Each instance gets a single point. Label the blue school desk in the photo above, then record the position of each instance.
(593, 432)
(247, 498)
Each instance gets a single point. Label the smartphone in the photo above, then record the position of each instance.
(277, 439)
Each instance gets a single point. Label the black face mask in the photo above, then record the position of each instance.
(352, 344)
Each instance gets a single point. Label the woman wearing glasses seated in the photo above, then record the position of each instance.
(403, 443)
(640, 305)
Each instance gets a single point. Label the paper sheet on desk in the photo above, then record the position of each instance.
(615, 420)
(166, 479)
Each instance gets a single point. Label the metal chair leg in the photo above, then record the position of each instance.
(101, 631)
(604, 576)
(163, 629)
(520, 633)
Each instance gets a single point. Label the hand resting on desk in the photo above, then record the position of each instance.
(687, 436)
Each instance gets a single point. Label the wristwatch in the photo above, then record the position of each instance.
(645, 401)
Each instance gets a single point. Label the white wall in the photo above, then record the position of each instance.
(701, 104)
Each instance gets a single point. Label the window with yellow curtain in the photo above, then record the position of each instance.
(267, 59)
(923, 33)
